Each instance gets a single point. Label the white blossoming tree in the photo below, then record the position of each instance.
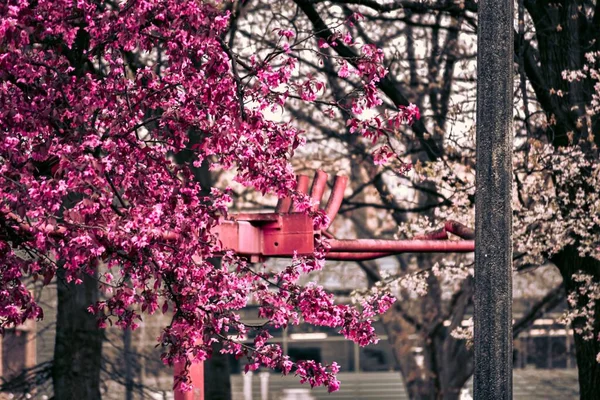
(557, 166)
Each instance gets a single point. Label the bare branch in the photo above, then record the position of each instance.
(554, 298)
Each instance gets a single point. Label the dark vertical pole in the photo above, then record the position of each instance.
(493, 249)
(129, 360)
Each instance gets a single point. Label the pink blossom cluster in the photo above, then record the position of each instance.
(362, 103)
(95, 100)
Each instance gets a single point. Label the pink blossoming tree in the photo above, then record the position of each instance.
(96, 98)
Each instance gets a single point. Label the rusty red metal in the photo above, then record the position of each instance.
(283, 205)
(363, 256)
(268, 235)
(439, 234)
(459, 230)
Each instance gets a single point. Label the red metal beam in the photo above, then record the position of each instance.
(348, 256)
(401, 246)
(459, 230)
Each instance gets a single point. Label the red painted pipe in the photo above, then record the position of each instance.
(347, 256)
(401, 246)
(303, 181)
(459, 229)
(440, 234)
(336, 197)
(318, 188)
(197, 382)
(283, 205)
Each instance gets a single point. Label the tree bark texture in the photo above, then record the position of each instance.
(78, 345)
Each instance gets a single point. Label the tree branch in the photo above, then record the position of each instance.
(386, 85)
(554, 297)
(416, 6)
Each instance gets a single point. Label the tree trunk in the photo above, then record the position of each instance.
(217, 385)
(129, 355)
(447, 365)
(563, 35)
(569, 262)
(454, 363)
(78, 345)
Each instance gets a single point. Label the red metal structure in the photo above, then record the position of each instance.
(287, 232)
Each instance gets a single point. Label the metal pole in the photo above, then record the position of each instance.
(401, 246)
(493, 227)
(197, 378)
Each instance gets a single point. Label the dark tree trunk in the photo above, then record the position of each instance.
(78, 346)
(129, 356)
(569, 262)
(448, 363)
(564, 34)
(217, 385)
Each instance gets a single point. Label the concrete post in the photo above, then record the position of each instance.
(493, 225)
(264, 385)
(248, 385)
